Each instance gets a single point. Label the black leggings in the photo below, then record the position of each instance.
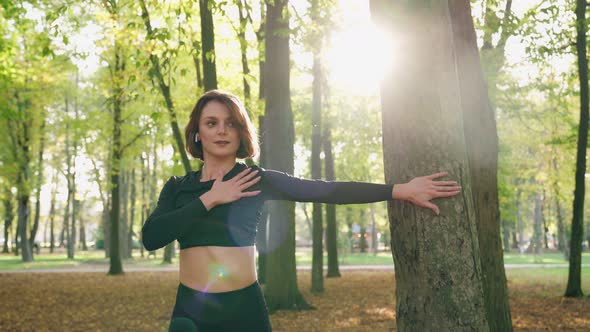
(239, 310)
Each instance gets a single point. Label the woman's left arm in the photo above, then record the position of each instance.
(281, 186)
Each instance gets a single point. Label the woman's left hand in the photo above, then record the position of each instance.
(422, 189)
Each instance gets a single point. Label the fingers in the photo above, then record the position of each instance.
(246, 177)
(445, 183)
(249, 193)
(448, 188)
(242, 174)
(431, 206)
(249, 183)
(448, 194)
(436, 175)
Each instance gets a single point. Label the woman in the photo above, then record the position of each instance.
(213, 213)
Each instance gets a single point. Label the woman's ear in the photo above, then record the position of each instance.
(196, 137)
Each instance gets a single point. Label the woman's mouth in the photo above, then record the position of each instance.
(221, 143)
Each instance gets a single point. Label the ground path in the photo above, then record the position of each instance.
(104, 268)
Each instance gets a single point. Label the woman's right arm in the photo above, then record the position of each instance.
(166, 223)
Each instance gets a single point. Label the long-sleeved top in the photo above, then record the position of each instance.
(180, 213)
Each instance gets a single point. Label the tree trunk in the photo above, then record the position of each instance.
(68, 219)
(17, 235)
(374, 243)
(349, 223)
(562, 244)
(479, 119)
(574, 281)
(519, 221)
(363, 239)
(132, 199)
(21, 139)
(23, 220)
(506, 237)
(167, 259)
(514, 241)
(244, 14)
(331, 226)
(124, 197)
(144, 205)
(83, 246)
(66, 239)
(261, 50)
(439, 278)
(116, 265)
(261, 235)
(281, 276)
(106, 226)
(208, 46)
(152, 183)
(536, 241)
(317, 259)
(39, 184)
(544, 214)
(8, 217)
(52, 213)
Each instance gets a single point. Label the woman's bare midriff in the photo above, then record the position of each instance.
(216, 269)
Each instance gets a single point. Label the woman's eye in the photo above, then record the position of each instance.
(210, 124)
(230, 124)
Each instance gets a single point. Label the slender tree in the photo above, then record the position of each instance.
(208, 45)
(281, 290)
(39, 182)
(331, 225)
(574, 281)
(317, 261)
(8, 216)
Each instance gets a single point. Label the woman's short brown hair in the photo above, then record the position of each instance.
(248, 137)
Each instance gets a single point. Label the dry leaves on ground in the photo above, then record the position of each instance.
(142, 301)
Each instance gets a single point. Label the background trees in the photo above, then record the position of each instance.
(93, 97)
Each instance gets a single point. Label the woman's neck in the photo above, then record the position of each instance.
(211, 168)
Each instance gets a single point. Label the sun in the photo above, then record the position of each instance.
(358, 55)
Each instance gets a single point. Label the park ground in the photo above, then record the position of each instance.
(361, 300)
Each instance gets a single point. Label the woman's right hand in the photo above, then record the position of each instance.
(223, 192)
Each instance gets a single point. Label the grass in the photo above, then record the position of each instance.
(59, 259)
(303, 258)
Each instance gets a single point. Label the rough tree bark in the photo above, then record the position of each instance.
(439, 279)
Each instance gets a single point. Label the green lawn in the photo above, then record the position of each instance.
(303, 258)
(384, 258)
(90, 258)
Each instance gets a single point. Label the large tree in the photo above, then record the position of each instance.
(439, 278)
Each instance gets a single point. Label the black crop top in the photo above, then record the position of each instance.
(181, 215)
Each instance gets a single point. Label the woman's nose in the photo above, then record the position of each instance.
(222, 128)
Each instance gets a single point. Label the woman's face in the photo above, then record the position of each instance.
(218, 131)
